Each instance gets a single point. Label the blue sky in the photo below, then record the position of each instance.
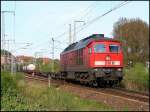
(38, 21)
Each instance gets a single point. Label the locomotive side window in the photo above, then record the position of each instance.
(99, 48)
(90, 50)
(113, 48)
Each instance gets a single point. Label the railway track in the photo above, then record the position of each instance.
(138, 96)
(42, 79)
(131, 95)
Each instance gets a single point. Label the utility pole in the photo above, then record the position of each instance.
(74, 37)
(70, 39)
(35, 59)
(7, 44)
(12, 61)
(49, 77)
(3, 36)
(53, 55)
(12, 64)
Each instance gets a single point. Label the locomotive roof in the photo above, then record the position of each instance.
(84, 42)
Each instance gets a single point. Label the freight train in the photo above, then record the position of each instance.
(93, 60)
(30, 68)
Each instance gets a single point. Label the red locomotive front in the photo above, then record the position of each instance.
(105, 54)
(95, 59)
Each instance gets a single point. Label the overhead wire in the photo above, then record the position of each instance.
(97, 18)
(80, 13)
(92, 21)
(64, 33)
(91, 7)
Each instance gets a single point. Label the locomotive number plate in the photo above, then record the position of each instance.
(108, 62)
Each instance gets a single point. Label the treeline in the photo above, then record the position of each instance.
(48, 66)
(5, 52)
(134, 35)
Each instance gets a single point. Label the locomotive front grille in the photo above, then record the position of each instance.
(107, 70)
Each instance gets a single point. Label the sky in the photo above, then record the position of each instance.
(37, 22)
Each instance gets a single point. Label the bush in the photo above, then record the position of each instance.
(18, 95)
(136, 78)
(8, 82)
(11, 99)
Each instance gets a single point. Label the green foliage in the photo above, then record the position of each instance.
(134, 34)
(19, 95)
(11, 99)
(6, 52)
(45, 67)
(48, 67)
(57, 99)
(136, 78)
(8, 82)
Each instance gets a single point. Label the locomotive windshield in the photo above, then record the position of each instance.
(99, 48)
(113, 48)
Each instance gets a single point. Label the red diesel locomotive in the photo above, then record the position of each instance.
(94, 60)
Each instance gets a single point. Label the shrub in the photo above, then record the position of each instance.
(136, 78)
(8, 83)
(18, 95)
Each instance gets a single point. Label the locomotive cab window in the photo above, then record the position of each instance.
(99, 48)
(114, 48)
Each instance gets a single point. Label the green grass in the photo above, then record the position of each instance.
(136, 78)
(48, 67)
(19, 95)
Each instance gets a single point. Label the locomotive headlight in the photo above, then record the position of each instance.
(96, 69)
(119, 69)
(115, 62)
(107, 57)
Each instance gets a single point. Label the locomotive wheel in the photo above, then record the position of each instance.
(111, 83)
(82, 82)
(94, 83)
(114, 83)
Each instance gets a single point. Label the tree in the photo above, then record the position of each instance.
(134, 34)
(6, 52)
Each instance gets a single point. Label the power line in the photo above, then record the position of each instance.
(44, 43)
(64, 33)
(97, 18)
(91, 7)
(80, 13)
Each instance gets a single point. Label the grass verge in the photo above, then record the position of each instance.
(16, 94)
